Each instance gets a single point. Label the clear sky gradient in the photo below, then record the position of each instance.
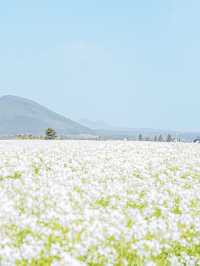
(129, 63)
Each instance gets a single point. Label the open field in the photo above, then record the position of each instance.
(99, 203)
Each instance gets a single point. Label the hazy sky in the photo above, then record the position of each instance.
(130, 63)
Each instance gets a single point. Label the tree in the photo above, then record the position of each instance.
(50, 134)
(155, 138)
(160, 138)
(140, 137)
(169, 138)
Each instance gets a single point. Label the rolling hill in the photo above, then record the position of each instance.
(23, 116)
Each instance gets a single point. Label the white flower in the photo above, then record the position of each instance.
(99, 202)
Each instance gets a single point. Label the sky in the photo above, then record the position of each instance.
(130, 63)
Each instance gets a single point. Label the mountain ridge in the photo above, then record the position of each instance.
(106, 130)
(19, 115)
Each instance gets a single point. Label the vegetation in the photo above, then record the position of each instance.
(169, 138)
(50, 134)
(99, 203)
(160, 138)
(140, 137)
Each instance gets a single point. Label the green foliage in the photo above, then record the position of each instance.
(21, 235)
(42, 261)
(135, 205)
(176, 208)
(162, 259)
(103, 202)
(126, 253)
(50, 134)
(15, 176)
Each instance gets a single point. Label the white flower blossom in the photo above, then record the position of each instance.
(99, 203)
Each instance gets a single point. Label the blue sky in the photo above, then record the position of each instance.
(129, 63)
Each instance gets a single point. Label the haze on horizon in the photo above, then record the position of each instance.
(130, 63)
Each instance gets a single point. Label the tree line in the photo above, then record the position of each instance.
(160, 138)
(50, 134)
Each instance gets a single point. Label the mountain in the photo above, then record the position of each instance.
(99, 124)
(104, 129)
(108, 131)
(120, 133)
(22, 116)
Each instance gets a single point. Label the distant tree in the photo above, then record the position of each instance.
(50, 133)
(160, 138)
(169, 138)
(140, 137)
(155, 138)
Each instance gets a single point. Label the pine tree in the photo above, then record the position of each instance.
(169, 138)
(50, 134)
(140, 137)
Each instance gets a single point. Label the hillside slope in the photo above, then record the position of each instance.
(22, 116)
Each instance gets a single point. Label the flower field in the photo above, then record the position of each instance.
(99, 203)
